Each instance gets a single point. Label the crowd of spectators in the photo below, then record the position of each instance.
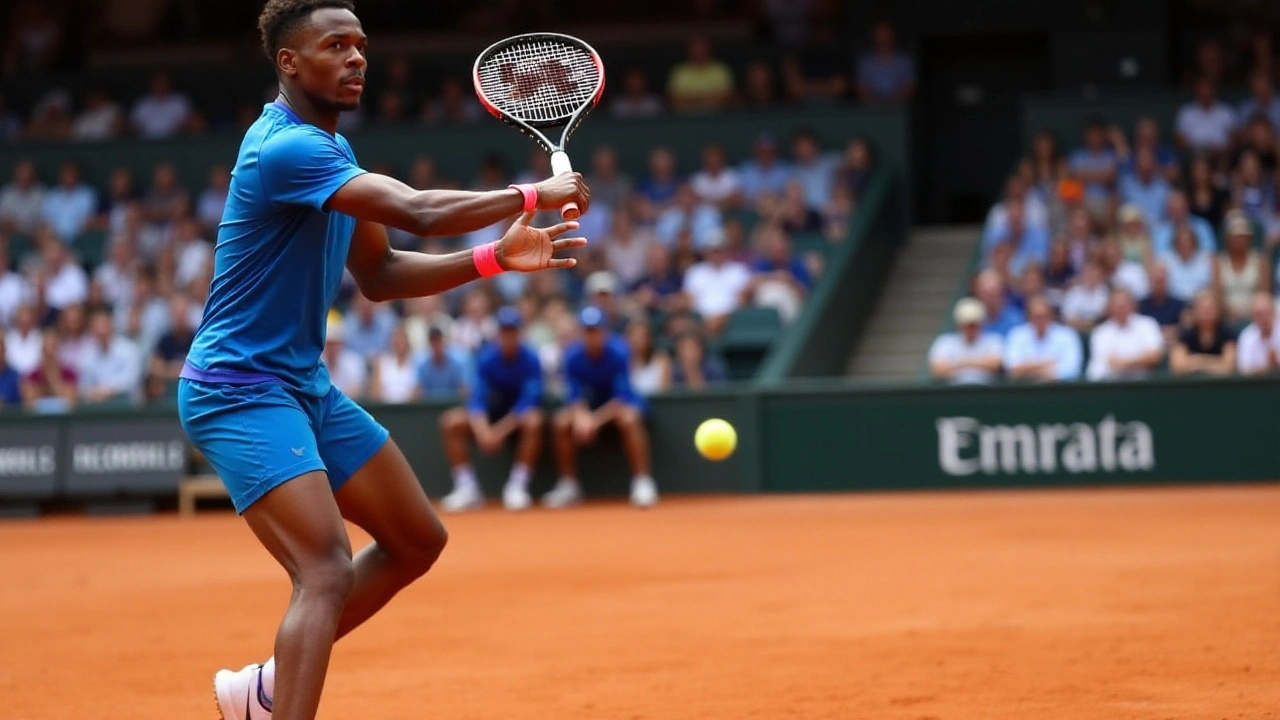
(102, 288)
(1132, 253)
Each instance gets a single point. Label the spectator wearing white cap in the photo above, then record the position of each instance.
(347, 370)
(1240, 270)
(1258, 351)
(1127, 346)
(1132, 235)
(715, 285)
(969, 355)
(1043, 349)
(601, 289)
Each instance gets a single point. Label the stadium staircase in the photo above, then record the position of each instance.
(920, 288)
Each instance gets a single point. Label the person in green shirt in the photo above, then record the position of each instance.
(701, 83)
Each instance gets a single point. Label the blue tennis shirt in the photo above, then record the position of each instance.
(597, 380)
(279, 258)
(506, 384)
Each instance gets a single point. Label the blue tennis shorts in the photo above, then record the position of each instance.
(260, 436)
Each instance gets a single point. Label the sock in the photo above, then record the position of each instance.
(641, 479)
(464, 478)
(519, 476)
(268, 683)
(566, 480)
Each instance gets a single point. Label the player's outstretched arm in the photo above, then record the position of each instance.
(383, 273)
(382, 199)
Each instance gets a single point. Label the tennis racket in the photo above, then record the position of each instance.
(538, 81)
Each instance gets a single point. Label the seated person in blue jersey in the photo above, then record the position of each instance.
(506, 400)
(597, 371)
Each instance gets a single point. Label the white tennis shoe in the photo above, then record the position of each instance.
(565, 494)
(644, 492)
(516, 498)
(240, 695)
(462, 499)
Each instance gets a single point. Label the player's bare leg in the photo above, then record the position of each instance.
(300, 525)
(455, 432)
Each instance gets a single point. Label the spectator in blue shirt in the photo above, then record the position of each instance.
(505, 400)
(659, 189)
(1094, 164)
(660, 289)
(1146, 136)
(368, 327)
(764, 172)
(441, 374)
(814, 169)
(779, 279)
(1043, 349)
(1028, 244)
(1177, 215)
(70, 205)
(598, 373)
(1002, 315)
(1145, 187)
(885, 75)
(10, 382)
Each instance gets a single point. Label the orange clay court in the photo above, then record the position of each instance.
(1100, 604)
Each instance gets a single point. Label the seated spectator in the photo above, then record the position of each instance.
(116, 274)
(660, 188)
(1035, 214)
(393, 374)
(1095, 164)
(1239, 271)
(1259, 138)
(453, 106)
(75, 343)
(1028, 245)
(1132, 236)
(162, 112)
(114, 206)
(1044, 168)
(166, 199)
(764, 173)
(65, 282)
(171, 350)
(1146, 136)
(192, 254)
(69, 206)
(598, 370)
(791, 211)
(838, 213)
(815, 74)
(51, 117)
(813, 169)
(14, 288)
(1208, 347)
(396, 98)
(715, 285)
(101, 118)
(1127, 346)
(50, 386)
(885, 75)
(1206, 124)
(369, 327)
(601, 290)
(1059, 273)
(778, 278)
(716, 183)
(636, 100)
(693, 367)
(1080, 237)
(1190, 267)
(1207, 201)
(1001, 315)
(1161, 306)
(1258, 352)
(659, 290)
(650, 366)
(1121, 272)
(970, 354)
(1145, 187)
(1253, 192)
(213, 200)
(10, 381)
(22, 200)
(688, 213)
(759, 89)
(23, 341)
(609, 185)
(1086, 301)
(855, 168)
(476, 325)
(701, 83)
(348, 371)
(1042, 350)
(1177, 215)
(113, 369)
(422, 314)
(506, 400)
(145, 318)
(441, 374)
(627, 249)
(1262, 100)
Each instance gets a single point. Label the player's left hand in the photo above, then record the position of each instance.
(529, 249)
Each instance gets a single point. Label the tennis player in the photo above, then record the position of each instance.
(297, 455)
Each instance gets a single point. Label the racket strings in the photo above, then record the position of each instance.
(540, 81)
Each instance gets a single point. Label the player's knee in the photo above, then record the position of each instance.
(425, 546)
(330, 578)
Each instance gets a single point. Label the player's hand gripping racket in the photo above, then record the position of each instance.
(538, 81)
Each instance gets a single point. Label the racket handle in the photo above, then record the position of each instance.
(560, 165)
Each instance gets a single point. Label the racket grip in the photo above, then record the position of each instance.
(560, 165)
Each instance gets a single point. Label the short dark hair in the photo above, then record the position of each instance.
(280, 18)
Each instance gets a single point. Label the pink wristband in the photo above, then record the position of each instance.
(530, 194)
(486, 259)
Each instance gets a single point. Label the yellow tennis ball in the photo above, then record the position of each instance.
(715, 439)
